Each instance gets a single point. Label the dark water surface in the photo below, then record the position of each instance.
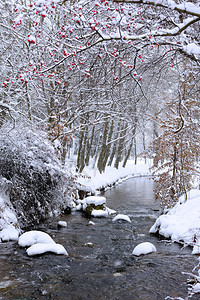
(104, 269)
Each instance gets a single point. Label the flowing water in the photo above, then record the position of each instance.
(104, 268)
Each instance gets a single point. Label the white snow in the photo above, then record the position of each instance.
(62, 223)
(30, 238)
(8, 219)
(40, 243)
(144, 248)
(99, 213)
(94, 180)
(96, 200)
(189, 7)
(91, 223)
(122, 217)
(110, 211)
(192, 49)
(31, 39)
(41, 248)
(9, 233)
(182, 222)
(196, 288)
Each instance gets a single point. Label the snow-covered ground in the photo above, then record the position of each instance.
(9, 228)
(182, 222)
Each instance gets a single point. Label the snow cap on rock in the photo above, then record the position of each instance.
(144, 248)
(97, 200)
(122, 217)
(30, 238)
(41, 248)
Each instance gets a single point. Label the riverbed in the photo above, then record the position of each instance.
(100, 264)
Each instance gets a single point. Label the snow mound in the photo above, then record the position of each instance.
(122, 217)
(99, 213)
(182, 222)
(196, 288)
(8, 219)
(41, 248)
(144, 248)
(62, 224)
(110, 211)
(96, 200)
(30, 238)
(10, 233)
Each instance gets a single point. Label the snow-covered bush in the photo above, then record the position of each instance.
(9, 229)
(41, 188)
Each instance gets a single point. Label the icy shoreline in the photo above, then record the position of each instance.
(93, 181)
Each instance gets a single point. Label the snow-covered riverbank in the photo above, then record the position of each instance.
(93, 180)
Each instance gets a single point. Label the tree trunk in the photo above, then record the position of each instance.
(114, 146)
(89, 146)
(103, 148)
(108, 146)
(120, 147)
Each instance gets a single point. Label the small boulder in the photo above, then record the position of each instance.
(122, 217)
(94, 203)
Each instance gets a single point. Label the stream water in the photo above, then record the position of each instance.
(104, 268)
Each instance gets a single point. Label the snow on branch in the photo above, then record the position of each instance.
(185, 7)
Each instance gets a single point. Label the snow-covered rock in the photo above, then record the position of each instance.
(89, 244)
(93, 202)
(144, 248)
(91, 223)
(96, 200)
(41, 248)
(95, 206)
(99, 213)
(122, 217)
(9, 233)
(110, 211)
(62, 224)
(40, 243)
(30, 238)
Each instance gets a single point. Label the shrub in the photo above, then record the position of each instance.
(41, 188)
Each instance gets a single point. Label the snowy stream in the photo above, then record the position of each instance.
(100, 264)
